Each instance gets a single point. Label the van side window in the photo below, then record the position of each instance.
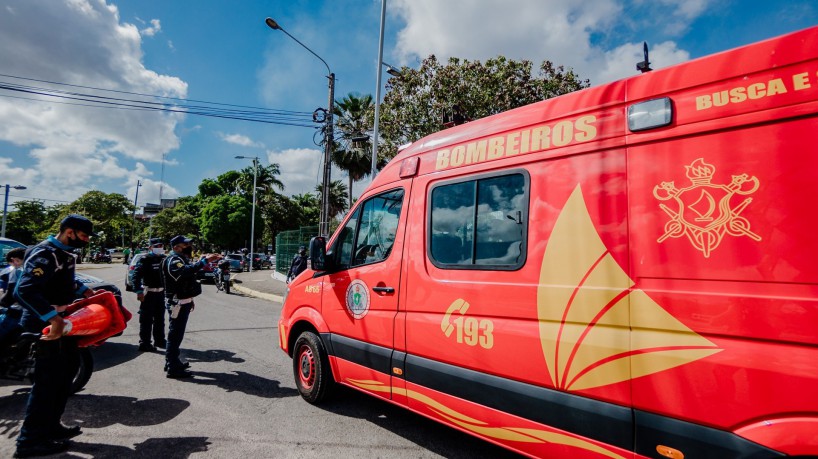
(480, 224)
(345, 239)
(369, 234)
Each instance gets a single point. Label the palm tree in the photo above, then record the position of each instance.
(337, 197)
(266, 178)
(354, 119)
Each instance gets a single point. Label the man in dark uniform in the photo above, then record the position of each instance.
(147, 282)
(298, 265)
(179, 276)
(45, 286)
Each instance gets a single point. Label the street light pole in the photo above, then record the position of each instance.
(378, 95)
(133, 216)
(323, 224)
(253, 216)
(6, 206)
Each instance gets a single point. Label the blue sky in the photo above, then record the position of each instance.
(222, 51)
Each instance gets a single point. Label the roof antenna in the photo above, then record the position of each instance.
(644, 66)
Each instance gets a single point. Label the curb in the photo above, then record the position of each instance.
(250, 292)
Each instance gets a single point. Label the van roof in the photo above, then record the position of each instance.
(770, 53)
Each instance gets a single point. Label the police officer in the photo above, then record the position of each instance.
(45, 286)
(298, 265)
(147, 282)
(179, 276)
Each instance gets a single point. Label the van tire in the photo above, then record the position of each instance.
(313, 376)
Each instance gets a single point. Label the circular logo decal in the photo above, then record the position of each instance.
(358, 299)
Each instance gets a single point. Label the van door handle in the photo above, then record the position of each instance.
(383, 289)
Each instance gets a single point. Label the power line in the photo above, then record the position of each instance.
(33, 198)
(269, 116)
(146, 95)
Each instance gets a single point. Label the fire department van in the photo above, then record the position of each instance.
(626, 271)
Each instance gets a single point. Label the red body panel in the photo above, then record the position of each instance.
(669, 273)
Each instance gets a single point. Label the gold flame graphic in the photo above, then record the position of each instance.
(595, 330)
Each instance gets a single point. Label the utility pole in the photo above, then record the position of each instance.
(133, 216)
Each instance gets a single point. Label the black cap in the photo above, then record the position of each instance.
(180, 240)
(78, 223)
(156, 241)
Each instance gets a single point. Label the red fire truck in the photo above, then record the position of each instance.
(625, 271)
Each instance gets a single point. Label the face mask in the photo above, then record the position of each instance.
(188, 251)
(158, 250)
(77, 243)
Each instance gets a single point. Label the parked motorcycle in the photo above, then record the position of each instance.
(222, 276)
(17, 358)
(17, 348)
(101, 257)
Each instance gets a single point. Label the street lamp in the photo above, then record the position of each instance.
(395, 73)
(390, 70)
(6, 205)
(252, 217)
(323, 225)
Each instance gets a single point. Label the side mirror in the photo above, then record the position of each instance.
(318, 253)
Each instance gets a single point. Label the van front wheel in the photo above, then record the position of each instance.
(313, 376)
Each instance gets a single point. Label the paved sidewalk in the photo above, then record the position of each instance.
(266, 284)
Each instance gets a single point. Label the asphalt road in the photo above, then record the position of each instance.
(242, 402)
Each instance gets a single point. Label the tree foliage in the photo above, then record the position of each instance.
(225, 221)
(354, 120)
(173, 222)
(29, 222)
(111, 214)
(418, 103)
(337, 197)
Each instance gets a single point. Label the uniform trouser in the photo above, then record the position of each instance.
(152, 318)
(55, 365)
(176, 332)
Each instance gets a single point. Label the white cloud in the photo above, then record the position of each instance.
(149, 191)
(621, 62)
(301, 168)
(242, 140)
(154, 28)
(561, 31)
(75, 148)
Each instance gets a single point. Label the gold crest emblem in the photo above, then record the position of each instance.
(37, 272)
(704, 211)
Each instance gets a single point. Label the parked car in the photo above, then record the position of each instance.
(260, 261)
(7, 245)
(129, 271)
(237, 262)
(206, 273)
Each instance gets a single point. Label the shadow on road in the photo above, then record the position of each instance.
(112, 354)
(95, 411)
(212, 355)
(166, 448)
(239, 381)
(428, 434)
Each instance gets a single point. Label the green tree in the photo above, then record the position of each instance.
(172, 222)
(267, 178)
(307, 210)
(27, 221)
(417, 103)
(355, 117)
(225, 221)
(111, 213)
(210, 188)
(337, 197)
(229, 181)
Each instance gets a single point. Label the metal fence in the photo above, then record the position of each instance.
(287, 244)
